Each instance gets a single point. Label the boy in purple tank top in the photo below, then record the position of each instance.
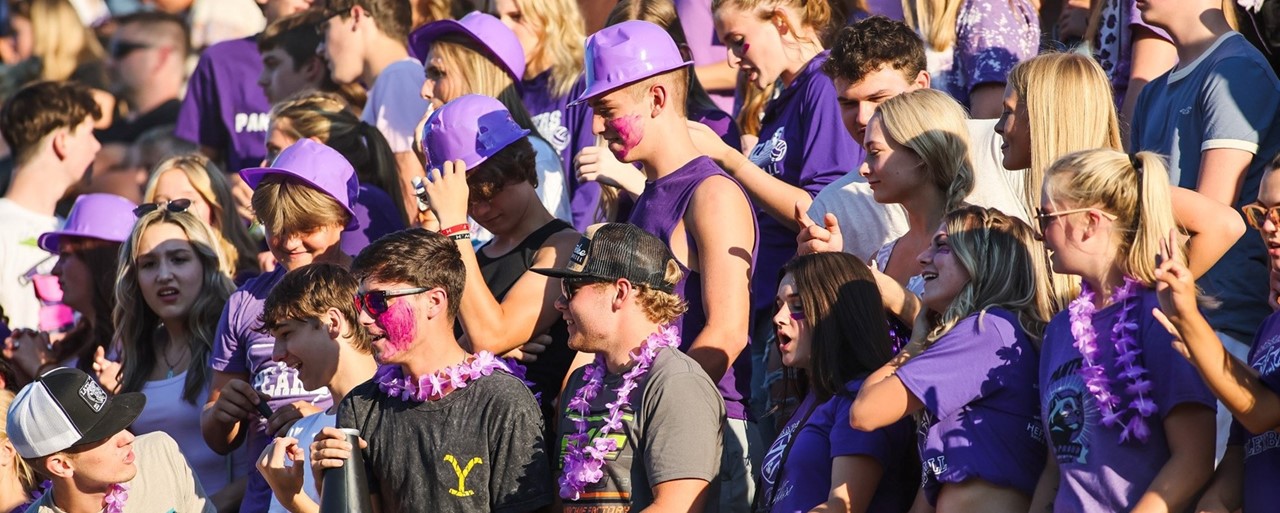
(689, 203)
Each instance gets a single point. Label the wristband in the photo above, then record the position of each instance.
(460, 236)
(464, 228)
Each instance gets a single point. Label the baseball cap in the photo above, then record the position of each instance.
(64, 408)
(611, 251)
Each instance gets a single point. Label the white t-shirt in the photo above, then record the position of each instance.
(552, 187)
(993, 185)
(395, 103)
(166, 411)
(19, 230)
(305, 430)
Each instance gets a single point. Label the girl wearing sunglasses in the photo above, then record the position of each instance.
(818, 458)
(1130, 424)
(969, 373)
(173, 282)
(1243, 478)
(304, 201)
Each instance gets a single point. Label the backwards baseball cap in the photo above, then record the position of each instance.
(96, 216)
(626, 53)
(619, 250)
(65, 408)
(315, 165)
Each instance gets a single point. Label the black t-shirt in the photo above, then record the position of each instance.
(478, 449)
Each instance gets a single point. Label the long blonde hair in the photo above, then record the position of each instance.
(137, 324)
(480, 75)
(59, 38)
(935, 20)
(1135, 190)
(561, 34)
(26, 476)
(1002, 256)
(815, 14)
(933, 126)
(211, 184)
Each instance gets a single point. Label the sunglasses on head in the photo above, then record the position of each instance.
(175, 206)
(375, 301)
(1257, 215)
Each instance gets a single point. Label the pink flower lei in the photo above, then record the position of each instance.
(114, 502)
(1128, 355)
(584, 457)
(392, 381)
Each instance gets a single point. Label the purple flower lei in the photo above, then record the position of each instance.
(1128, 355)
(392, 381)
(114, 502)
(584, 457)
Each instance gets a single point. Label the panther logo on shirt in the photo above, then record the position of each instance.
(1070, 414)
(768, 154)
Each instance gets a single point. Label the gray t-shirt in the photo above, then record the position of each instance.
(480, 448)
(1226, 98)
(164, 484)
(672, 430)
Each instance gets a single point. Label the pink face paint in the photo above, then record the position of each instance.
(399, 325)
(630, 130)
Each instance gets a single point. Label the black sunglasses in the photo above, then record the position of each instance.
(119, 49)
(570, 286)
(175, 206)
(375, 301)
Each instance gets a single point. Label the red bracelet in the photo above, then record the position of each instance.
(464, 227)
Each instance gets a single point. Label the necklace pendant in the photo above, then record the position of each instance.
(169, 375)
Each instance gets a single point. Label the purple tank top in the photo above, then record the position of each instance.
(657, 211)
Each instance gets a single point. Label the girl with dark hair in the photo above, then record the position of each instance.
(818, 458)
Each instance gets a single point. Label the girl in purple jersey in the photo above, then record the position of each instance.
(969, 373)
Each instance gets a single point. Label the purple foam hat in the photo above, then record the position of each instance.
(488, 32)
(317, 166)
(97, 216)
(472, 128)
(627, 53)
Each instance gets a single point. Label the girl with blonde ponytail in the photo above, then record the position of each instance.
(1116, 400)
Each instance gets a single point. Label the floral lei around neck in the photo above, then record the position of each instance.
(583, 455)
(1127, 354)
(114, 501)
(392, 381)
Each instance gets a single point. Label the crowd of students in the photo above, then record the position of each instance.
(666, 255)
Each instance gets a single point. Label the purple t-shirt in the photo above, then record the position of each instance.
(803, 142)
(1262, 452)
(224, 107)
(992, 36)
(1100, 473)
(978, 386)
(658, 210)
(376, 212)
(568, 130)
(827, 435)
(239, 348)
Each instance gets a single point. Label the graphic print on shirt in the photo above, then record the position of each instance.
(252, 122)
(930, 468)
(772, 464)
(462, 472)
(1070, 413)
(280, 380)
(1266, 364)
(551, 128)
(768, 154)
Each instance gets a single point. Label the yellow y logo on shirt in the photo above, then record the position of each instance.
(462, 490)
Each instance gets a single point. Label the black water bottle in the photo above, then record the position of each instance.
(345, 489)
